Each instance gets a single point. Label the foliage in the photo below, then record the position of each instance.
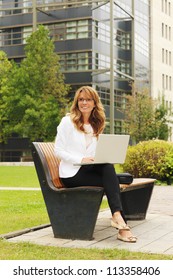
(5, 67)
(38, 95)
(161, 120)
(144, 118)
(150, 159)
(5, 70)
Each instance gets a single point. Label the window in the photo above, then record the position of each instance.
(82, 29)
(169, 9)
(1, 13)
(166, 57)
(169, 33)
(170, 108)
(82, 61)
(163, 6)
(166, 81)
(166, 5)
(163, 30)
(11, 36)
(166, 31)
(26, 33)
(27, 4)
(118, 126)
(101, 31)
(170, 61)
(124, 67)
(74, 61)
(123, 40)
(104, 94)
(170, 83)
(58, 31)
(163, 55)
(77, 29)
(120, 100)
(71, 30)
(163, 81)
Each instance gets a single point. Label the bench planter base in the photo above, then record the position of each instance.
(73, 212)
(136, 198)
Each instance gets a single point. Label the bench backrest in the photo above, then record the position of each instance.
(43, 155)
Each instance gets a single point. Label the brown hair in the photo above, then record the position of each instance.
(97, 117)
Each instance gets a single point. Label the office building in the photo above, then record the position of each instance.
(162, 55)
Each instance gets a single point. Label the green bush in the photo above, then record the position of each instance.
(150, 159)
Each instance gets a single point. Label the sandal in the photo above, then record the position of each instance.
(130, 239)
(119, 226)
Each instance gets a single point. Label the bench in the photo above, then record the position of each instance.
(73, 211)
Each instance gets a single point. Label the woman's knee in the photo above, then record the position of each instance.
(109, 167)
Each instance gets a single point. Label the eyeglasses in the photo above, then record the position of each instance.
(85, 99)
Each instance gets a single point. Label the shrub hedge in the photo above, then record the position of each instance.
(150, 159)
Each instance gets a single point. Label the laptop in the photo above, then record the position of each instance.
(111, 148)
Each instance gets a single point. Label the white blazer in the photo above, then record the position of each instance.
(70, 147)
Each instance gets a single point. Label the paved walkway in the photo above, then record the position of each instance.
(155, 234)
(20, 189)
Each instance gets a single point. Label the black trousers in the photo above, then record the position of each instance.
(102, 175)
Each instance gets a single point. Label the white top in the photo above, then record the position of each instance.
(89, 134)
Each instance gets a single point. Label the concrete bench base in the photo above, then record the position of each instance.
(73, 212)
(136, 198)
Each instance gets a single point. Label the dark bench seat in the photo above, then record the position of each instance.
(73, 211)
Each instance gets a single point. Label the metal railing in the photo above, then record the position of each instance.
(26, 6)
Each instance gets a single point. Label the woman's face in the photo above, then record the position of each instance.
(85, 103)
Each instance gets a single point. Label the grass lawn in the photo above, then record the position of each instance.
(18, 176)
(27, 251)
(21, 209)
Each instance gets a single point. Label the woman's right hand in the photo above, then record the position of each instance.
(87, 160)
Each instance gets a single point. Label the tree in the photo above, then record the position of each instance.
(144, 118)
(5, 71)
(39, 96)
(161, 118)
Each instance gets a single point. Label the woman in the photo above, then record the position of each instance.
(76, 141)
